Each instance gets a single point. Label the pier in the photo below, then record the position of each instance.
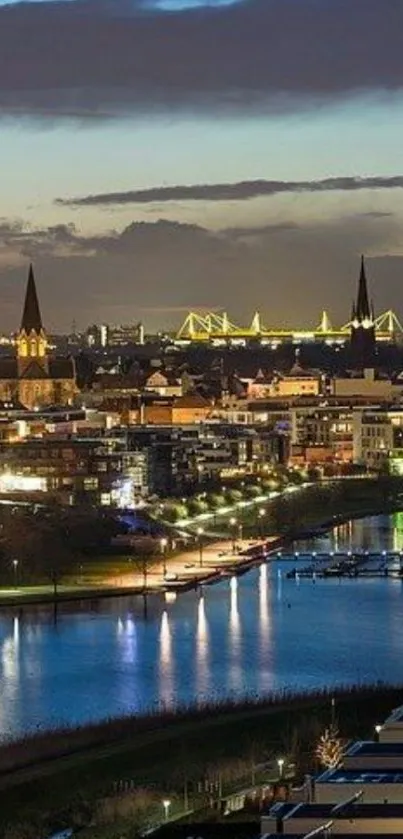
(350, 564)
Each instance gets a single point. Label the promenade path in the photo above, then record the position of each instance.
(182, 570)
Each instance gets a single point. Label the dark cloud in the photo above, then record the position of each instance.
(241, 191)
(158, 271)
(94, 59)
(260, 230)
(375, 214)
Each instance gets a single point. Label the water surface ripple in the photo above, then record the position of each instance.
(252, 634)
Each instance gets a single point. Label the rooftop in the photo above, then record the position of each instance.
(339, 835)
(395, 717)
(369, 747)
(361, 777)
(328, 812)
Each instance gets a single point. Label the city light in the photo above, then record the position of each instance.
(22, 483)
(123, 494)
(280, 764)
(166, 805)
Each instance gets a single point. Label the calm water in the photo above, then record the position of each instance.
(252, 634)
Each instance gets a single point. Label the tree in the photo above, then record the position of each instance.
(329, 750)
(17, 543)
(252, 491)
(53, 545)
(215, 501)
(197, 506)
(234, 496)
(174, 512)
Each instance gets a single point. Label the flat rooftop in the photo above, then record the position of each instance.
(360, 776)
(395, 717)
(369, 747)
(327, 812)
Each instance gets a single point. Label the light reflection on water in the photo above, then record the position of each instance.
(254, 633)
(202, 650)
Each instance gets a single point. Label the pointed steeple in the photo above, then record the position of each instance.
(363, 338)
(363, 310)
(31, 339)
(31, 316)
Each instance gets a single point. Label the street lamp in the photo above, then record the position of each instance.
(200, 532)
(163, 545)
(280, 764)
(378, 729)
(262, 513)
(15, 566)
(166, 805)
(233, 523)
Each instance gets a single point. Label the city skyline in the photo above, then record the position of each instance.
(228, 155)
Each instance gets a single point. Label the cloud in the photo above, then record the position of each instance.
(260, 230)
(98, 59)
(158, 271)
(241, 191)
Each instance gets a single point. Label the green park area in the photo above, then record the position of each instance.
(112, 779)
(54, 552)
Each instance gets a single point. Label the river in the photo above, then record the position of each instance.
(252, 634)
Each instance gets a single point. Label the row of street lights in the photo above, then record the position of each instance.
(237, 531)
(280, 763)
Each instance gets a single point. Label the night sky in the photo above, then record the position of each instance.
(161, 155)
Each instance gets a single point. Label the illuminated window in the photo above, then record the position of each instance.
(90, 483)
(23, 348)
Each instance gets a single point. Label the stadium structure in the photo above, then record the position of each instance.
(217, 329)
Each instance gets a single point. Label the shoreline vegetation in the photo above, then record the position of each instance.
(56, 779)
(288, 517)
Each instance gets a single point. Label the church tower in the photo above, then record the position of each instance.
(362, 326)
(31, 340)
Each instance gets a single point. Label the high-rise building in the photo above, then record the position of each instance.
(122, 335)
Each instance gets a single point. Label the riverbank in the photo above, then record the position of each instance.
(56, 779)
(300, 514)
(184, 572)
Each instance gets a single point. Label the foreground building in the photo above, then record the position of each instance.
(363, 796)
(34, 377)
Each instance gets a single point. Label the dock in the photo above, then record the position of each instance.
(349, 564)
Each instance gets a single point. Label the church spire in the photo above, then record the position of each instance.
(31, 316)
(31, 339)
(363, 349)
(363, 310)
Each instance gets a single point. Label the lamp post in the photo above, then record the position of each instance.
(166, 805)
(200, 532)
(233, 523)
(333, 706)
(262, 513)
(163, 546)
(378, 729)
(15, 566)
(280, 764)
